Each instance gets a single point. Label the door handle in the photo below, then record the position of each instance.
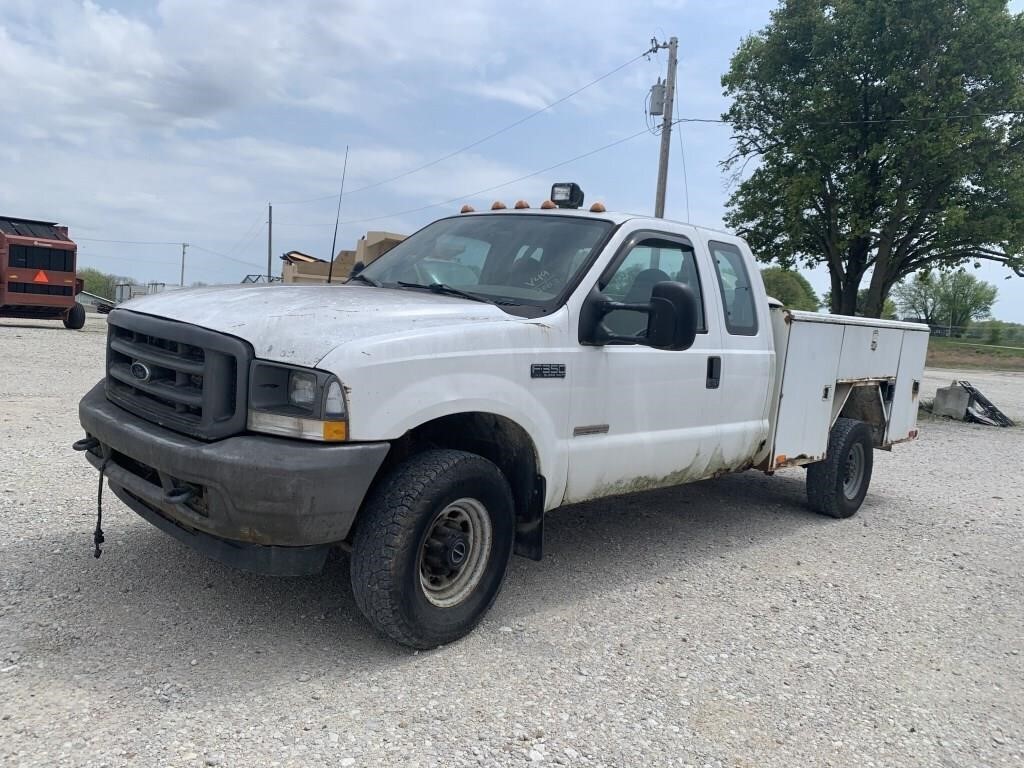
(714, 372)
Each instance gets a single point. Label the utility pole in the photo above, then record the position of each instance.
(270, 239)
(666, 124)
(181, 280)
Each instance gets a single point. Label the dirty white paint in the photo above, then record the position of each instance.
(300, 324)
(644, 417)
(820, 356)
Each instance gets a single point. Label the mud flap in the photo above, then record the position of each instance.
(530, 524)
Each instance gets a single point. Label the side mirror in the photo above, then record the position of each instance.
(672, 318)
(357, 268)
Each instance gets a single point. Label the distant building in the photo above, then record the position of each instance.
(127, 291)
(301, 268)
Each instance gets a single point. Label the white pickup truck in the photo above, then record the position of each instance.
(429, 412)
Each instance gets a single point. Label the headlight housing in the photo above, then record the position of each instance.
(297, 402)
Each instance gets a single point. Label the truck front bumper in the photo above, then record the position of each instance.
(267, 504)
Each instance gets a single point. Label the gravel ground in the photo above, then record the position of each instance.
(718, 624)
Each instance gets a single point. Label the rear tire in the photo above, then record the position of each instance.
(837, 486)
(431, 547)
(76, 317)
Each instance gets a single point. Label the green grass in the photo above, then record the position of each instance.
(956, 353)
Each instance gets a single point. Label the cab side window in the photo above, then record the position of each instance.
(737, 293)
(648, 263)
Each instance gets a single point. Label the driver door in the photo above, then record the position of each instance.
(641, 417)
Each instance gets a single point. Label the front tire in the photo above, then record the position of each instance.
(76, 317)
(431, 547)
(837, 486)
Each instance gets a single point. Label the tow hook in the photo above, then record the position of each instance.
(85, 444)
(179, 495)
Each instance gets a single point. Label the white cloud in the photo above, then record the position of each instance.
(177, 120)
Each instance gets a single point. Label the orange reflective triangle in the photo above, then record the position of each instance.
(40, 277)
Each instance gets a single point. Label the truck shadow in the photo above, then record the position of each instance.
(162, 605)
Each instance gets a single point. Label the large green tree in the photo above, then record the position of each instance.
(889, 309)
(963, 298)
(791, 288)
(918, 297)
(882, 137)
(948, 298)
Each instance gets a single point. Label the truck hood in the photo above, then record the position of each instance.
(301, 324)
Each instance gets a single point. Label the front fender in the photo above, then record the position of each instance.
(396, 383)
(418, 402)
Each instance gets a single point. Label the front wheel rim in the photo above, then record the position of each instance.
(455, 552)
(853, 475)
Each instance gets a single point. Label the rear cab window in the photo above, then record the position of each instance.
(737, 292)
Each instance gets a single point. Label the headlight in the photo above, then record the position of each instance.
(302, 389)
(296, 402)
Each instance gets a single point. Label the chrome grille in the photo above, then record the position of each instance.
(185, 378)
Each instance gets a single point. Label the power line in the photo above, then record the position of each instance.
(249, 235)
(869, 121)
(245, 240)
(225, 256)
(478, 142)
(242, 245)
(677, 121)
(504, 183)
(124, 242)
(682, 155)
(93, 256)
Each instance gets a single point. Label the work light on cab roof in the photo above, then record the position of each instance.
(567, 195)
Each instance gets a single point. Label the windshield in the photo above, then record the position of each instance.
(510, 259)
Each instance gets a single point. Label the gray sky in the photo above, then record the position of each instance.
(179, 120)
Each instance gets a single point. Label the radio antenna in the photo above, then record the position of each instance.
(337, 218)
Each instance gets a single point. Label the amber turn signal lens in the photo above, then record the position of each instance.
(335, 431)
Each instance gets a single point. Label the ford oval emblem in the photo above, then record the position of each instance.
(140, 371)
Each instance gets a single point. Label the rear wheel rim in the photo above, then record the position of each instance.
(455, 552)
(853, 472)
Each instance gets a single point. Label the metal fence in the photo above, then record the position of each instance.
(983, 333)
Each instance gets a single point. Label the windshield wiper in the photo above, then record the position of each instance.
(364, 278)
(444, 288)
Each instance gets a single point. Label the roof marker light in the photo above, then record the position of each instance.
(467, 209)
(598, 208)
(521, 204)
(497, 205)
(547, 205)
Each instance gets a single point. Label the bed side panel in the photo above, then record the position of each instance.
(808, 387)
(908, 383)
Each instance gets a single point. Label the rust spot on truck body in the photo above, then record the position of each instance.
(697, 470)
(782, 461)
